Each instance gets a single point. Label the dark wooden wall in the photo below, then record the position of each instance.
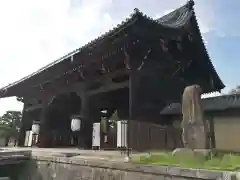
(145, 136)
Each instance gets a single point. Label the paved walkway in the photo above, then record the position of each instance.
(71, 152)
(63, 150)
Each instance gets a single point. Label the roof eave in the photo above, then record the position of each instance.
(220, 85)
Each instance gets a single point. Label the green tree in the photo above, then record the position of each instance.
(236, 90)
(5, 131)
(10, 124)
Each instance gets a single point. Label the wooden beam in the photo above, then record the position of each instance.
(34, 107)
(105, 88)
(78, 85)
(109, 87)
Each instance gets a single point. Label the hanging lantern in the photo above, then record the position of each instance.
(75, 124)
(35, 127)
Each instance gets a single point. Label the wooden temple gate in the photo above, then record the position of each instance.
(152, 60)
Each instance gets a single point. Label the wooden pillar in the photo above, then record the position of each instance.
(22, 133)
(132, 95)
(85, 134)
(84, 104)
(212, 133)
(132, 108)
(44, 133)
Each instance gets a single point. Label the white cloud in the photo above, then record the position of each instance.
(34, 33)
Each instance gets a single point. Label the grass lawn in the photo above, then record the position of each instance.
(228, 162)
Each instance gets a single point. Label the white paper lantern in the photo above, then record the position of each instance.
(35, 128)
(76, 124)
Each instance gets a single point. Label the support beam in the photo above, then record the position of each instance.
(110, 87)
(133, 82)
(85, 103)
(132, 104)
(34, 107)
(77, 86)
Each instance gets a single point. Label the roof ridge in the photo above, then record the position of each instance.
(184, 9)
(190, 4)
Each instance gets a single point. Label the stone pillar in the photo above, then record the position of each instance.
(193, 123)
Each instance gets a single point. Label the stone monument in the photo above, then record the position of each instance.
(194, 133)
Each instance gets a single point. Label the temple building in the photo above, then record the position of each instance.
(134, 71)
(222, 114)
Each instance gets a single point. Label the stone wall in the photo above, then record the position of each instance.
(63, 168)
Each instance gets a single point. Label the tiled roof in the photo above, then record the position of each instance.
(172, 22)
(218, 103)
(175, 20)
(178, 17)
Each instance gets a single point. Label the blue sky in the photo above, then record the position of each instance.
(223, 41)
(225, 53)
(35, 32)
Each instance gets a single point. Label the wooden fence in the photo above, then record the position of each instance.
(145, 136)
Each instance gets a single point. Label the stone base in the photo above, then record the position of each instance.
(203, 153)
(183, 152)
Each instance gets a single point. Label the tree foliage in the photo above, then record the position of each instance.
(236, 90)
(10, 124)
